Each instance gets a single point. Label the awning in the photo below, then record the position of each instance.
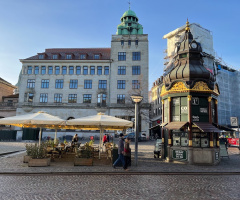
(206, 127)
(155, 127)
(175, 125)
(225, 128)
(163, 124)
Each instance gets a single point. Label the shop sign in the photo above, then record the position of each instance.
(183, 109)
(195, 101)
(216, 155)
(203, 110)
(234, 121)
(179, 154)
(195, 118)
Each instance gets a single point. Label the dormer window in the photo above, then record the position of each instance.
(129, 42)
(55, 56)
(136, 42)
(69, 56)
(83, 56)
(96, 56)
(122, 42)
(129, 24)
(41, 56)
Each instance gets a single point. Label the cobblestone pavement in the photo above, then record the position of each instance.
(167, 187)
(146, 163)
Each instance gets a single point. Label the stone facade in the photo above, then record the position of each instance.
(5, 88)
(115, 74)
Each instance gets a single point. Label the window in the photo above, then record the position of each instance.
(68, 56)
(102, 84)
(50, 70)
(28, 97)
(45, 83)
(57, 70)
(102, 100)
(92, 70)
(121, 70)
(55, 56)
(179, 109)
(57, 98)
(121, 98)
(87, 98)
(29, 71)
(135, 84)
(71, 70)
(85, 70)
(72, 98)
(64, 70)
(36, 71)
(73, 84)
(122, 42)
(99, 70)
(201, 140)
(106, 70)
(43, 70)
(136, 55)
(83, 56)
(180, 138)
(129, 42)
(136, 70)
(43, 98)
(121, 84)
(41, 56)
(31, 83)
(96, 56)
(121, 55)
(59, 83)
(78, 70)
(87, 84)
(136, 42)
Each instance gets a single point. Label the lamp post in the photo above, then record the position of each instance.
(136, 99)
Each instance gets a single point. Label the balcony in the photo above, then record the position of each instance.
(8, 106)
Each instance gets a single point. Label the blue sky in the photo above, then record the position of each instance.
(28, 27)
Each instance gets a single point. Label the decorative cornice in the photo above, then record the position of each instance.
(179, 87)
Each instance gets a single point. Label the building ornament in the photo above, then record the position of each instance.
(189, 97)
(178, 87)
(209, 99)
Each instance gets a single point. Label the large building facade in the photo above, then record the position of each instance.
(72, 83)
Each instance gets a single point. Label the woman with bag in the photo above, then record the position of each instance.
(127, 154)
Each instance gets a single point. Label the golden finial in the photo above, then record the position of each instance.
(187, 26)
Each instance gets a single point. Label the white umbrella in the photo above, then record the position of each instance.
(100, 122)
(34, 120)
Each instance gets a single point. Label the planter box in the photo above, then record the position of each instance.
(83, 162)
(26, 159)
(43, 162)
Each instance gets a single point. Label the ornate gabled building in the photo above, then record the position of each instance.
(189, 107)
(78, 82)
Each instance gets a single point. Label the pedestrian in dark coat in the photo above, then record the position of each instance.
(120, 151)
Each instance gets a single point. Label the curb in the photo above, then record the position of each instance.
(117, 173)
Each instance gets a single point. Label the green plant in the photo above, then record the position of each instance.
(85, 152)
(36, 151)
(28, 149)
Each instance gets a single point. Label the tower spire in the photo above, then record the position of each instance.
(187, 26)
(129, 2)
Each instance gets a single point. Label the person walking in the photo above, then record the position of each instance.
(120, 151)
(127, 154)
(105, 139)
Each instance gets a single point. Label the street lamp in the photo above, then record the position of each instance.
(136, 99)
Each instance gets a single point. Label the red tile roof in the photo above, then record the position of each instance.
(104, 53)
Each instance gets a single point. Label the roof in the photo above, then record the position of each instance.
(206, 127)
(11, 96)
(129, 13)
(175, 125)
(6, 83)
(105, 53)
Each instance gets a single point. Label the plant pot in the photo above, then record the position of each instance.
(83, 162)
(26, 159)
(42, 162)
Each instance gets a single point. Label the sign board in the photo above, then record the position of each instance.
(195, 101)
(234, 121)
(179, 154)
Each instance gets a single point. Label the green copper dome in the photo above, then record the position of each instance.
(129, 13)
(129, 24)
